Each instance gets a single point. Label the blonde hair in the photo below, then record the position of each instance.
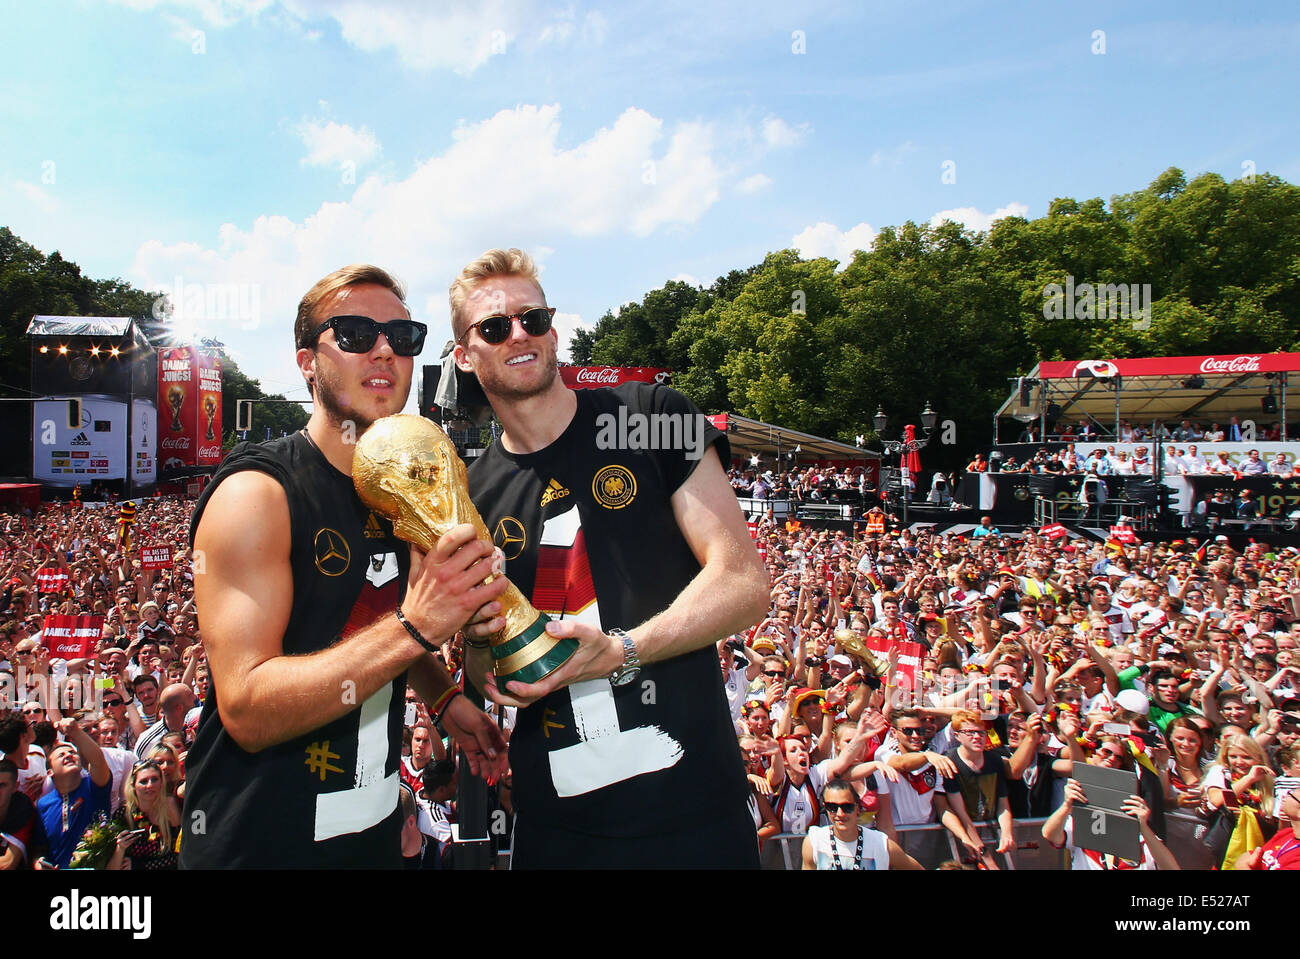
(353, 275)
(511, 262)
(160, 804)
(1257, 757)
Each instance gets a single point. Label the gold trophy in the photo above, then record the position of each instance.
(175, 400)
(850, 643)
(406, 469)
(210, 411)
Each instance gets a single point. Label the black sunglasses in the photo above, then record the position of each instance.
(496, 329)
(844, 807)
(357, 334)
(773, 672)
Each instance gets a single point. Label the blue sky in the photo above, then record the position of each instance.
(251, 146)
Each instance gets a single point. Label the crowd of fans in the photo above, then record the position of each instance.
(1178, 661)
(1088, 431)
(811, 484)
(1177, 461)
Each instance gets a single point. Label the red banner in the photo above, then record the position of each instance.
(909, 659)
(1224, 364)
(178, 407)
(594, 377)
(52, 580)
(71, 637)
(155, 557)
(189, 407)
(1055, 531)
(209, 410)
(1123, 534)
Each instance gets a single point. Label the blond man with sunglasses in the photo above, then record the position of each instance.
(625, 755)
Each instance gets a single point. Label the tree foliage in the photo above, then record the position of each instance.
(946, 315)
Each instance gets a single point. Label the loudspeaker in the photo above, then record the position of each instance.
(469, 394)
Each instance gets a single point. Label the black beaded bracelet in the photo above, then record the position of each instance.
(415, 633)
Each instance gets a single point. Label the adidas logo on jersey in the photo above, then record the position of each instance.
(554, 490)
(373, 530)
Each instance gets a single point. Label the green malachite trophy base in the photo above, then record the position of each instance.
(538, 669)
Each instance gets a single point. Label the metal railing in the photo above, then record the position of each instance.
(780, 508)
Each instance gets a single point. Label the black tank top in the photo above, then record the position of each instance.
(589, 534)
(328, 799)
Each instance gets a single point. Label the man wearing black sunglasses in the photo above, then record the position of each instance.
(314, 615)
(625, 756)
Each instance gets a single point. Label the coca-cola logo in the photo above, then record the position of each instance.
(209, 452)
(1236, 364)
(176, 443)
(607, 374)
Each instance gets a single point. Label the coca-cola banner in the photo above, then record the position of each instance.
(178, 404)
(189, 408)
(591, 377)
(209, 369)
(71, 637)
(1217, 365)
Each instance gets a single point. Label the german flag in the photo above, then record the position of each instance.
(125, 520)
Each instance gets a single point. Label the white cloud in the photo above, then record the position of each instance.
(566, 324)
(973, 219)
(894, 156)
(595, 27)
(753, 184)
(215, 13)
(182, 29)
(37, 196)
(825, 239)
(458, 35)
(778, 133)
(636, 176)
(687, 278)
(331, 144)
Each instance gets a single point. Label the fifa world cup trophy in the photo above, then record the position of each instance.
(210, 411)
(406, 469)
(175, 400)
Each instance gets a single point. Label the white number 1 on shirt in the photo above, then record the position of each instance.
(607, 753)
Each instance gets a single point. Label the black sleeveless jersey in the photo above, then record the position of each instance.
(327, 799)
(588, 532)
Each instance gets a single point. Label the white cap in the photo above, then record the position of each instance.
(1133, 701)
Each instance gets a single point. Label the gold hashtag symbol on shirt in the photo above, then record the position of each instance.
(318, 759)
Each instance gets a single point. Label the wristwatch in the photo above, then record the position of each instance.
(631, 667)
